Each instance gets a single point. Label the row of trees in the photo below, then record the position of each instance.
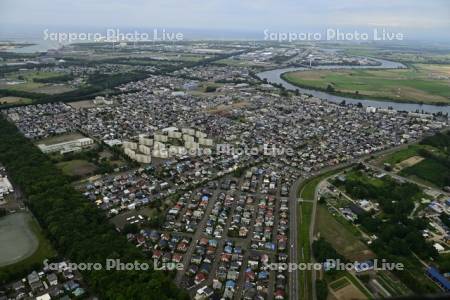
(77, 229)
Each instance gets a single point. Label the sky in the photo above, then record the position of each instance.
(416, 18)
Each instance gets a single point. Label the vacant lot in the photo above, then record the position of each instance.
(77, 167)
(420, 83)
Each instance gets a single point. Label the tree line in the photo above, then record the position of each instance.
(75, 227)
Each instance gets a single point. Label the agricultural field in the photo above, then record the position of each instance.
(347, 287)
(401, 53)
(419, 83)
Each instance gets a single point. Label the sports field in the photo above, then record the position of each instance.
(77, 167)
(17, 239)
(419, 83)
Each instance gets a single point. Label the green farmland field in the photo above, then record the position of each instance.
(420, 83)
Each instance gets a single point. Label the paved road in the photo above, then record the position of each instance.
(293, 237)
(196, 236)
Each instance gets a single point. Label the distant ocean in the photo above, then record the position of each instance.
(35, 35)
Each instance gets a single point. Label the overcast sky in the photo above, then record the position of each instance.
(423, 16)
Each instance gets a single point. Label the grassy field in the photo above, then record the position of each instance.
(399, 156)
(394, 286)
(420, 83)
(24, 81)
(14, 100)
(44, 250)
(429, 170)
(343, 240)
(77, 167)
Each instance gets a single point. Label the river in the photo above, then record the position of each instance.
(274, 76)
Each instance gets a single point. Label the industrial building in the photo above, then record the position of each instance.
(437, 277)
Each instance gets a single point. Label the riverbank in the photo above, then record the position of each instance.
(274, 77)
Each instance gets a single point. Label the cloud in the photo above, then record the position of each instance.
(229, 14)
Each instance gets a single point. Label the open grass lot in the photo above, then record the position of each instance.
(344, 241)
(77, 168)
(24, 81)
(14, 100)
(419, 83)
(14, 229)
